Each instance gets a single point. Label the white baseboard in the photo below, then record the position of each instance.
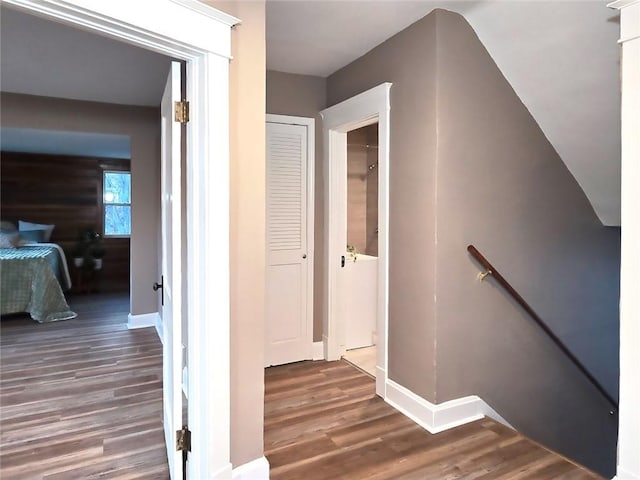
(381, 382)
(257, 469)
(159, 328)
(623, 474)
(142, 321)
(486, 409)
(223, 473)
(438, 417)
(317, 351)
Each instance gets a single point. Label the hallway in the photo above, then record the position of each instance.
(323, 421)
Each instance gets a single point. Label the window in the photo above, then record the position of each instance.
(116, 197)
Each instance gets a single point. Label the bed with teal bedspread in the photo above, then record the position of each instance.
(30, 281)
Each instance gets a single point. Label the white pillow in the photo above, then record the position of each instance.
(27, 226)
(9, 240)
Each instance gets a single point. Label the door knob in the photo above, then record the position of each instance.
(158, 286)
(304, 255)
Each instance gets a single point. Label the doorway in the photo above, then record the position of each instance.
(364, 110)
(205, 47)
(361, 268)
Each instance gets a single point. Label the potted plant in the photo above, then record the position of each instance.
(78, 255)
(88, 250)
(97, 253)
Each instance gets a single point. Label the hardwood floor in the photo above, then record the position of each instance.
(324, 421)
(82, 398)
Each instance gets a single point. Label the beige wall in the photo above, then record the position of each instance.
(248, 254)
(407, 60)
(142, 125)
(489, 178)
(305, 96)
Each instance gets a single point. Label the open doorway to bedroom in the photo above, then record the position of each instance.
(81, 148)
(80, 141)
(205, 50)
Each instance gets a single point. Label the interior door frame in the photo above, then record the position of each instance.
(364, 109)
(206, 48)
(310, 124)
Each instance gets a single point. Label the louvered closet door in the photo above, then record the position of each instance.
(288, 329)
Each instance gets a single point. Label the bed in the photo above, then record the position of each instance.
(32, 279)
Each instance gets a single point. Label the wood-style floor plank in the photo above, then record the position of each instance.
(82, 398)
(323, 421)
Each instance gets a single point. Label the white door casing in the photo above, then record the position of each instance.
(171, 313)
(364, 109)
(158, 25)
(628, 467)
(289, 293)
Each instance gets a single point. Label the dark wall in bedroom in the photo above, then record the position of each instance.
(64, 191)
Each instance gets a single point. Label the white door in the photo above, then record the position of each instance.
(289, 328)
(172, 281)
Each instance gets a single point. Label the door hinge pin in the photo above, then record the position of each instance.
(182, 111)
(183, 440)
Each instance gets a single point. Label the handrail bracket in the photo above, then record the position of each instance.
(485, 274)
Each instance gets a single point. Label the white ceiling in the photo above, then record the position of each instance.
(560, 57)
(318, 37)
(40, 57)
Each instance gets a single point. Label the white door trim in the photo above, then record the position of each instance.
(629, 412)
(206, 46)
(364, 109)
(310, 123)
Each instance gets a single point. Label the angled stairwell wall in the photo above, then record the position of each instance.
(502, 187)
(469, 164)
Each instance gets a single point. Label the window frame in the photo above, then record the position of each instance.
(112, 168)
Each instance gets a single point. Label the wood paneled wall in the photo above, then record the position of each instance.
(64, 191)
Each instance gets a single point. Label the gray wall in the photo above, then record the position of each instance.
(142, 125)
(408, 60)
(305, 96)
(501, 186)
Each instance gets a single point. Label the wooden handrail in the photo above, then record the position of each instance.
(491, 270)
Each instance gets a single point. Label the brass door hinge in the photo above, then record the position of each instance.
(182, 111)
(183, 440)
